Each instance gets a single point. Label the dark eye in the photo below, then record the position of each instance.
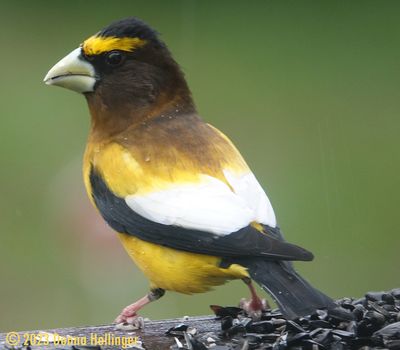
(114, 58)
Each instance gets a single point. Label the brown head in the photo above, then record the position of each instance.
(127, 75)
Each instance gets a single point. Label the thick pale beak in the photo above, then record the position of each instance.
(72, 72)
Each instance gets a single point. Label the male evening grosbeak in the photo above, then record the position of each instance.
(186, 206)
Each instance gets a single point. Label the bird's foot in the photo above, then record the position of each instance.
(128, 318)
(131, 321)
(254, 307)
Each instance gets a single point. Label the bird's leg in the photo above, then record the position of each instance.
(129, 314)
(255, 306)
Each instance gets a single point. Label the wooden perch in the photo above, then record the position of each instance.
(153, 336)
(370, 322)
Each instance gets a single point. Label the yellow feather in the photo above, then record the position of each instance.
(125, 175)
(128, 172)
(179, 271)
(139, 169)
(96, 45)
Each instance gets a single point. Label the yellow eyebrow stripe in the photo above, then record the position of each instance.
(96, 45)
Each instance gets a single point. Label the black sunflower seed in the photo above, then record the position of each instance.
(374, 296)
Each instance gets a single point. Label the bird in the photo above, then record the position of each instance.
(181, 198)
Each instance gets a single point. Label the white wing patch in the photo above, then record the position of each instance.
(247, 187)
(209, 205)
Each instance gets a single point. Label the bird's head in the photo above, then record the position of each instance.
(125, 64)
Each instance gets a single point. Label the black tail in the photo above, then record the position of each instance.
(293, 294)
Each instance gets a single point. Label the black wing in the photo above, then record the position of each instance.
(246, 242)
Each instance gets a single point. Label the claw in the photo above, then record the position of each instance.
(254, 307)
(128, 316)
(129, 323)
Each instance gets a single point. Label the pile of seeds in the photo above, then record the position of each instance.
(371, 322)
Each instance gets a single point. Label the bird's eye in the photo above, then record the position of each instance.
(114, 58)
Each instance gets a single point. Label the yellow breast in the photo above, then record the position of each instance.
(178, 271)
(142, 164)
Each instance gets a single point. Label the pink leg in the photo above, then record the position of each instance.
(255, 306)
(129, 314)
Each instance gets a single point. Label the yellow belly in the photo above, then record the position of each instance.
(177, 270)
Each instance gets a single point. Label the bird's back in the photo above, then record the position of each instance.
(153, 154)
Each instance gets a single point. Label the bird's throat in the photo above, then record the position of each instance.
(110, 119)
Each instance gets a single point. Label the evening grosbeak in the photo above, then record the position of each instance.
(187, 208)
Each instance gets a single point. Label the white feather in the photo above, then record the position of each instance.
(209, 205)
(247, 187)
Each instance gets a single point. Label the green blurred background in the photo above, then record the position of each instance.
(309, 92)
